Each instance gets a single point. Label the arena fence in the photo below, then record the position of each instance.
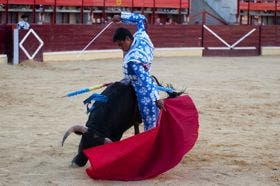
(241, 40)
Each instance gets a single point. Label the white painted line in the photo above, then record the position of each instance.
(31, 31)
(244, 48)
(218, 48)
(241, 39)
(216, 35)
(235, 48)
(228, 45)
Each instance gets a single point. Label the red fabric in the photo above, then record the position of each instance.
(150, 153)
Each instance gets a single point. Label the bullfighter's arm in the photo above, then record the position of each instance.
(134, 18)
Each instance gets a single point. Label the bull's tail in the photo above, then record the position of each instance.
(77, 129)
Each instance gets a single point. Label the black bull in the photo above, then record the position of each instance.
(108, 121)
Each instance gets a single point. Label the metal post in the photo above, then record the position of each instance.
(7, 11)
(54, 13)
(248, 13)
(91, 15)
(189, 8)
(203, 21)
(104, 13)
(33, 13)
(82, 13)
(16, 47)
(260, 39)
(238, 11)
(202, 36)
(153, 16)
(180, 12)
(275, 13)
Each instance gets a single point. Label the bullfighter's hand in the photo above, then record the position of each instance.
(117, 19)
(160, 104)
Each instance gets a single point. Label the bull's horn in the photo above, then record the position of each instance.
(78, 129)
(107, 140)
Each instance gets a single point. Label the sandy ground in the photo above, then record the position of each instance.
(238, 101)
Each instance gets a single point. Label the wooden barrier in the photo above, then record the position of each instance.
(6, 45)
(237, 40)
(270, 35)
(231, 41)
(75, 37)
(270, 40)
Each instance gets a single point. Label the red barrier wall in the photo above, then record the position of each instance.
(108, 3)
(259, 6)
(270, 35)
(6, 40)
(76, 37)
(231, 35)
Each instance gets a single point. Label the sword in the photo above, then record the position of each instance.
(82, 51)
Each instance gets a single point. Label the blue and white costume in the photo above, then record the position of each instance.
(23, 25)
(136, 67)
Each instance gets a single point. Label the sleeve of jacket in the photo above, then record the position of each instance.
(134, 18)
(143, 78)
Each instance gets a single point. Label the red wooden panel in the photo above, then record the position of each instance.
(68, 3)
(143, 3)
(258, 6)
(185, 3)
(270, 35)
(6, 40)
(123, 3)
(168, 3)
(45, 2)
(3, 35)
(231, 34)
(186, 36)
(171, 4)
(69, 39)
(25, 2)
(93, 2)
(30, 44)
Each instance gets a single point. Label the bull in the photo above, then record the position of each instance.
(108, 121)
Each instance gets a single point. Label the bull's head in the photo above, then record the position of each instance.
(77, 129)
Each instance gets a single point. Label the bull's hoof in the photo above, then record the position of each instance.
(80, 160)
(74, 165)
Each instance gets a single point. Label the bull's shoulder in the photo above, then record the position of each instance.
(118, 89)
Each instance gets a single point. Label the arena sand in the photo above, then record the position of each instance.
(238, 101)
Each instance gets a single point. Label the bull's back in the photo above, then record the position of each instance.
(113, 118)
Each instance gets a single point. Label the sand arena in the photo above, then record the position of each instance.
(238, 100)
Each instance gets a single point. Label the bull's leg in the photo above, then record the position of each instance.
(88, 140)
(136, 128)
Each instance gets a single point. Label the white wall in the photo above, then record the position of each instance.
(225, 8)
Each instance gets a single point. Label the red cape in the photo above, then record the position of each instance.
(150, 153)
